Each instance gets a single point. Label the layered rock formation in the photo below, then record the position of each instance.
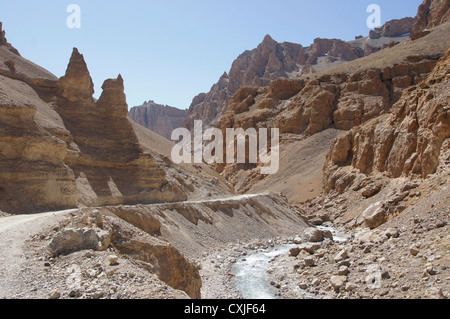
(431, 13)
(33, 173)
(161, 119)
(109, 164)
(407, 141)
(340, 100)
(269, 61)
(62, 148)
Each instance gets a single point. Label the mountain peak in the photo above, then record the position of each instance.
(77, 82)
(268, 39)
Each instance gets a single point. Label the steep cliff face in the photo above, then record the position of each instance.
(393, 28)
(161, 119)
(431, 13)
(33, 173)
(406, 142)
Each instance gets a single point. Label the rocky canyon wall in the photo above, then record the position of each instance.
(406, 142)
(161, 119)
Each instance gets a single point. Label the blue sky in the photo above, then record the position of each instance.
(169, 51)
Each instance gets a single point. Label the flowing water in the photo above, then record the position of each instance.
(251, 277)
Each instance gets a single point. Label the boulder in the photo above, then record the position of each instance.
(310, 248)
(337, 282)
(312, 235)
(341, 256)
(71, 240)
(374, 216)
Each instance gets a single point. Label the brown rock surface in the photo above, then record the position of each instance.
(161, 119)
(61, 148)
(342, 98)
(331, 48)
(431, 13)
(406, 142)
(4, 41)
(393, 28)
(32, 173)
(270, 60)
(104, 174)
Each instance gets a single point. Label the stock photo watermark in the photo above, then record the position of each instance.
(374, 20)
(74, 19)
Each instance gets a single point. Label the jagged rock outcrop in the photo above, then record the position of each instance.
(4, 41)
(305, 107)
(109, 165)
(393, 28)
(161, 119)
(431, 13)
(405, 142)
(333, 49)
(61, 148)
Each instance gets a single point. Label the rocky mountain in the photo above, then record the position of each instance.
(161, 119)
(272, 60)
(364, 147)
(341, 98)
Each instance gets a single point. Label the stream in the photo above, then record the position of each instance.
(251, 277)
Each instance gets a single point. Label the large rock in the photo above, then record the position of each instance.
(76, 85)
(312, 235)
(33, 174)
(331, 48)
(393, 28)
(4, 41)
(76, 239)
(374, 216)
(431, 13)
